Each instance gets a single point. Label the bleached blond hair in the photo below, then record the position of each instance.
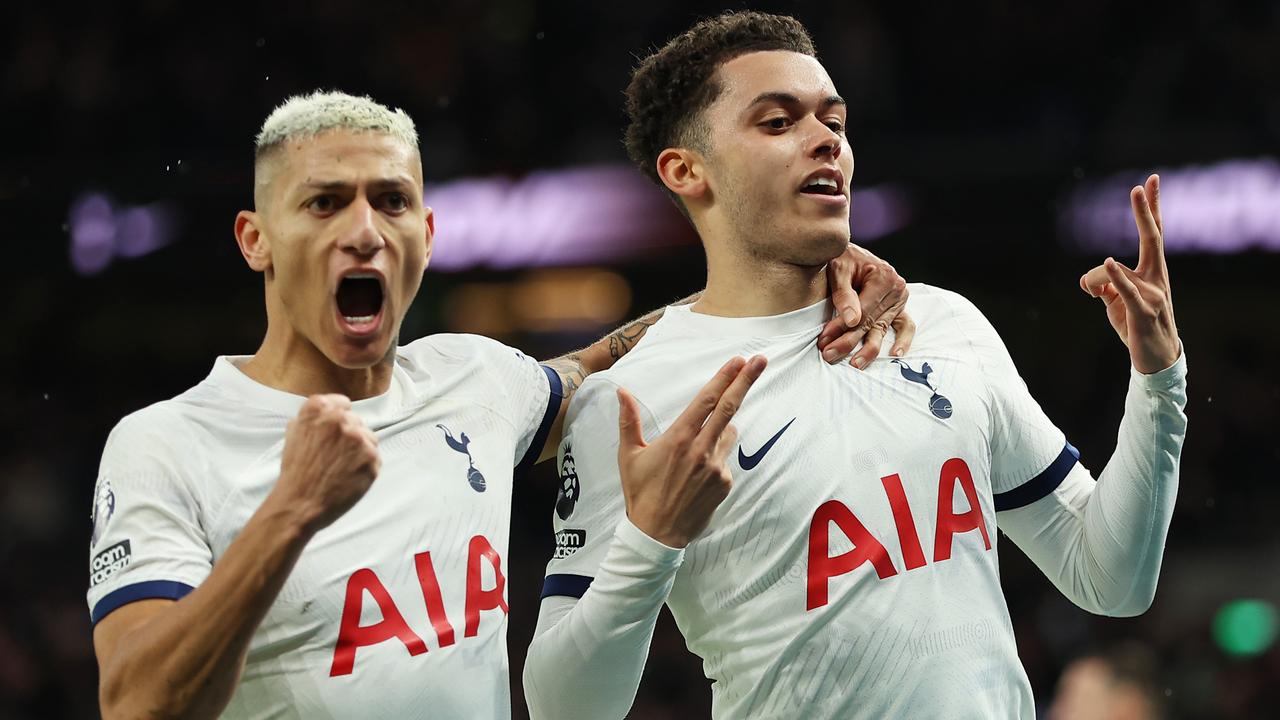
(305, 116)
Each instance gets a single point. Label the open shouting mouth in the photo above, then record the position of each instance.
(361, 298)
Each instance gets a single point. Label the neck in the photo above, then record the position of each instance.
(742, 285)
(289, 362)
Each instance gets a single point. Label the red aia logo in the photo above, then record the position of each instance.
(866, 548)
(353, 635)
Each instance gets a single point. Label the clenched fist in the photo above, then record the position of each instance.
(330, 460)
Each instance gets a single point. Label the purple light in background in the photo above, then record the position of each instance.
(563, 217)
(587, 215)
(878, 211)
(93, 230)
(100, 232)
(1227, 207)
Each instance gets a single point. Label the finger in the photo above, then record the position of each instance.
(1092, 281)
(629, 432)
(838, 326)
(691, 420)
(843, 295)
(839, 348)
(342, 402)
(850, 308)
(1153, 192)
(870, 349)
(1107, 294)
(884, 295)
(1150, 247)
(730, 401)
(904, 331)
(725, 444)
(1124, 286)
(326, 402)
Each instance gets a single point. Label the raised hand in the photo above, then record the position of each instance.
(1139, 301)
(330, 459)
(869, 296)
(673, 485)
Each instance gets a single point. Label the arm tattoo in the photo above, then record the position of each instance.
(569, 368)
(624, 338)
(572, 368)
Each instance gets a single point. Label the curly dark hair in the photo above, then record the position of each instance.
(670, 88)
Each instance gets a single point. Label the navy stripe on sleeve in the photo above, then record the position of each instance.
(548, 418)
(149, 590)
(1040, 485)
(574, 586)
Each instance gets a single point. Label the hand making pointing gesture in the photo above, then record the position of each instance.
(1139, 302)
(673, 485)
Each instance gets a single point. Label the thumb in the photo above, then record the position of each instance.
(843, 295)
(629, 435)
(850, 307)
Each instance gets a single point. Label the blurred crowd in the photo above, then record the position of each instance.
(987, 112)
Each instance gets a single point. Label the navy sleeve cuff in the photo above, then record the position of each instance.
(1041, 485)
(149, 590)
(548, 419)
(574, 586)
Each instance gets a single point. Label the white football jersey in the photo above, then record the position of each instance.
(397, 609)
(852, 571)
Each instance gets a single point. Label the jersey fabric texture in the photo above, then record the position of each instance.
(852, 571)
(397, 609)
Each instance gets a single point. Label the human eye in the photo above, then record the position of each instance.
(396, 201)
(836, 125)
(778, 122)
(322, 204)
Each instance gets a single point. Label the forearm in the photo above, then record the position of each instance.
(586, 659)
(1102, 543)
(186, 660)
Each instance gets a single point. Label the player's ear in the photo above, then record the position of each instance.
(683, 172)
(252, 241)
(431, 235)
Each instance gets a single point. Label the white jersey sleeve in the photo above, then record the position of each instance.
(520, 389)
(606, 582)
(1101, 543)
(1030, 456)
(147, 541)
(589, 502)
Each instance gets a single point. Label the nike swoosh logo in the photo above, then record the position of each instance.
(749, 462)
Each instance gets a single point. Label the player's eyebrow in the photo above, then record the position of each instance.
(786, 98)
(336, 185)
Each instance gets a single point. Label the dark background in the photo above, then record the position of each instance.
(988, 112)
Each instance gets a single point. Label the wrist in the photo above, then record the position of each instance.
(1155, 363)
(294, 517)
(641, 542)
(659, 532)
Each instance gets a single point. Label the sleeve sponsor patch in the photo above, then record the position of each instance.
(568, 542)
(109, 562)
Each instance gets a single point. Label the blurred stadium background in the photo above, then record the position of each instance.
(994, 141)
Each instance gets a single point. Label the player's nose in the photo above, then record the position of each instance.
(360, 234)
(823, 141)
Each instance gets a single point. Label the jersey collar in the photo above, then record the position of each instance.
(375, 411)
(806, 319)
